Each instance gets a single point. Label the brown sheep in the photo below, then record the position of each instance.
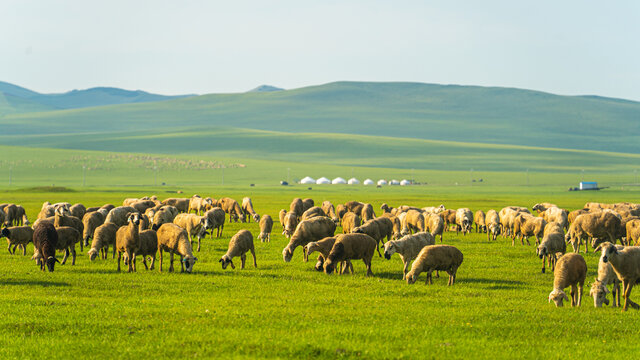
(11, 214)
(556, 215)
(330, 210)
(571, 270)
(340, 211)
(355, 207)
(434, 224)
(436, 258)
(479, 218)
(526, 225)
(67, 220)
(413, 222)
(216, 218)
(350, 221)
(296, 207)
(148, 247)
(78, 210)
(449, 217)
(574, 214)
(386, 209)
(128, 240)
(324, 246)
(601, 224)
(239, 245)
(90, 222)
(408, 248)
(67, 239)
(541, 207)
(378, 229)
(164, 216)
(266, 224)
(290, 224)
(174, 239)
(247, 209)
(199, 205)
(21, 216)
(551, 245)
(307, 204)
(182, 204)
(45, 240)
(351, 247)
(312, 212)
(103, 237)
(281, 215)
(307, 231)
(367, 213)
(633, 232)
(194, 224)
(231, 207)
(17, 236)
(119, 215)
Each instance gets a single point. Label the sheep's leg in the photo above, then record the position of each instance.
(574, 294)
(243, 258)
(378, 248)
(132, 261)
(171, 261)
(199, 238)
(405, 270)
(144, 262)
(160, 267)
(428, 281)
(9, 249)
(367, 263)
(66, 255)
(628, 295)
(119, 257)
(616, 293)
(24, 249)
(253, 253)
(81, 246)
(580, 288)
(73, 254)
(543, 263)
(114, 251)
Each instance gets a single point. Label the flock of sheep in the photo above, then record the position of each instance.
(146, 227)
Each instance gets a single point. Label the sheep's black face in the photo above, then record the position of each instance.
(5, 232)
(328, 268)
(358, 231)
(51, 263)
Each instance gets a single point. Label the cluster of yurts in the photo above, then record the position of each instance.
(353, 181)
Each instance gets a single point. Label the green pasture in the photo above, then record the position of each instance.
(497, 309)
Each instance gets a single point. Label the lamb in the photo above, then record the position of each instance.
(308, 230)
(266, 224)
(296, 207)
(67, 239)
(182, 204)
(103, 237)
(552, 243)
(464, 219)
(571, 270)
(378, 229)
(330, 210)
(216, 220)
(408, 248)
(413, 222)
(526, 225)
(479, 218)
(17, 235)
(174, 239)
(492, 222)
(312, 212)
(367, 213)
(247, 208)
(239, 244)
(626, 264)
(119, 215)
(606, 275)
(541, 207)
(290, 224)
(593, 225)
(45, 240)
(307, 204)
(434, 224)
(350, 221)
(231, 207)
(90, 223)
(128, 240)
(436, 257)
(351, 247)
(194, 224)
(324, 246)
(78, 210)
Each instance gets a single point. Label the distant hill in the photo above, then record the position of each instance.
(74, 99)
(265, 88)
(402, 110)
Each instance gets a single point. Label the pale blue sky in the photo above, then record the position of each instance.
(174, 47)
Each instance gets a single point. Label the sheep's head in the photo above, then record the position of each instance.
(536, 207)
(226, 261)
(51, 263)
(541, 251)
(494, 228)
(5, 233)
(309, 248)
(599, 293)
(608, 249)
(92, 254)
(188, 262)
(557, 296)
(287, 254)
(256, 217)
(411, 277)
(243, 218)
(389, 249)
(133, 218)
(384, 207)
(329, 266)
(235, 217)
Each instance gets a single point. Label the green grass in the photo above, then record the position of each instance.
(497, 309)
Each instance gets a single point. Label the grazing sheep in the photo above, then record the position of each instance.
(464, 219)
(571, 270)
(128, 240)
(378, 229)
(405, 208)
(231, 207)
(119, 215)
(239, 244)
(281, 215)
(408, 248)
(296, 207)
(355, 207)
(199, 205)
(434, 224)
(330, 210)
(290, 224)
(324, 246)
(552, 243)
(78, 210)
(90, 223)
(492, 221)
(606, 275)
(182, 204)
(525, 225)
(194, 224)
(601, 224)
(307, 231)
(266, 224)
(60, 219)
(413, 222)
(433, 209)
(541, 207)
(351, 247)
(449, 217)
(507, 216)
(439, 258)
(164, 216)
(574, 214)
(632, 229)
(103, 237)
(367, 213)
(216, 218)
(21, 216)
(148, 248)
(67, 239)
(247, 209)
(397, 225)
(307, 204)
(479, 218)
(174, 239)
(142, 205)
(45, 240)
(556, 215)
(11, 214)
(17, 235)
(312, 212)
(626, 264)
(386, 209)
(340, 211)
(350, 221)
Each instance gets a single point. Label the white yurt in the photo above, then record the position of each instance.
(368, 182)
(308, 180)
(338, 180)
(354, 181)
(382, 182)
(323, 180)
(405, 182)
(394, 182)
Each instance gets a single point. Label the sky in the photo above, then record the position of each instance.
(186, 47)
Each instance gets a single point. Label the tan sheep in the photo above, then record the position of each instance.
(378, 229)
(182, 204)
(413, 222)
(449, 217)
(281, 216)
(266, 224)
(492, 221)
(386, 209)
(307, 204)
(67, 239)
(632, 229)
(17, 236)
(434, 209)
(103, 237)
(571, 217)
(90, 223)
(526, 225)
(464, 220)
(556, 215)
(340, 211)
(216, 218)
(408, 248)
(60, 219)
(367, 212)
(119, 215)
(436, 258)
(194, 224)
(164, 216)
(296, 207)
(231, 207)
(551, 245)
(571, 270)
(78, 210)
(541, 207)
(350, 221)
(324, 246)
(174, 239)
(330, 210)
(602, 225)
(606, 275)
(312, 212)
(290, 224)
(307, 231)
(434, 224)
(247, 209)
(199, 205)
(479, 218)
(128, 240)
(351, 247)
(148, 248)
(626, 264)
(355, 207)
(239, 245)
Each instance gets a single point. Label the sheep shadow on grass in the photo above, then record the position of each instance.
(495, 284)
(43, 283)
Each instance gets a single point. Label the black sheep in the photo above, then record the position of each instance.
(45, 240)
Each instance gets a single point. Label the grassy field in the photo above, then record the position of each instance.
(497, 309)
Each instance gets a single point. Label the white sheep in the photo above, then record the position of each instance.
(606, 275)
(408, 248)
(626, 264)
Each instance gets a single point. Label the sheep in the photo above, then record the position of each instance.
(526, 225)
(330, 210)
(312, 212)
(434, 224)
(541, 207)
(571, 217)
(90, 223)
(148, 248)
(552, 243)
(632, 229)
(355, 207)
(413, 222)
(626, 264)
(281, 216)
(216, 218)
(67, 239)
(296, 207)
(378, 229)
(571, 270)
(142, 205)
(606, 275)
(231, 207)
(340, 211)
(247, 209)
(108, 207)
(351, 247)
(78, 210)
(17, 235)
(593, 225)
(350, 221)
(405, 208)
(507, 215)
(307, 204)
(68, 220)
(11, 214)
(464, 219)
(198, 204)
(103, 237)
(479, 218)
(45, 240)
(308, 230)
(449, 217)
(367, 213)
(436, 257)
(164, 216)
(119, 215)
(557, 215)
(182, 204)
(290, 224)
(239, 244)
(434, 209)
(3, 217)
(324, 246)
(266, 224)
(492, 222)
(128, 240)
(408, 248)
(21, 216)
(174, 239)
(386, 209)
(194, 224)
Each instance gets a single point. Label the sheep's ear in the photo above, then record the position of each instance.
(231, 263)
(58, 261)
(195, 259)
(220, 260)
(564, 295)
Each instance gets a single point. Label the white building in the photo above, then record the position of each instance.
(308, 180)
(323, 180)
(368, 182)
(405, 182)
(394, 182)
(338, 180)
(382, 182)
(354, 181)
(588, 185)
